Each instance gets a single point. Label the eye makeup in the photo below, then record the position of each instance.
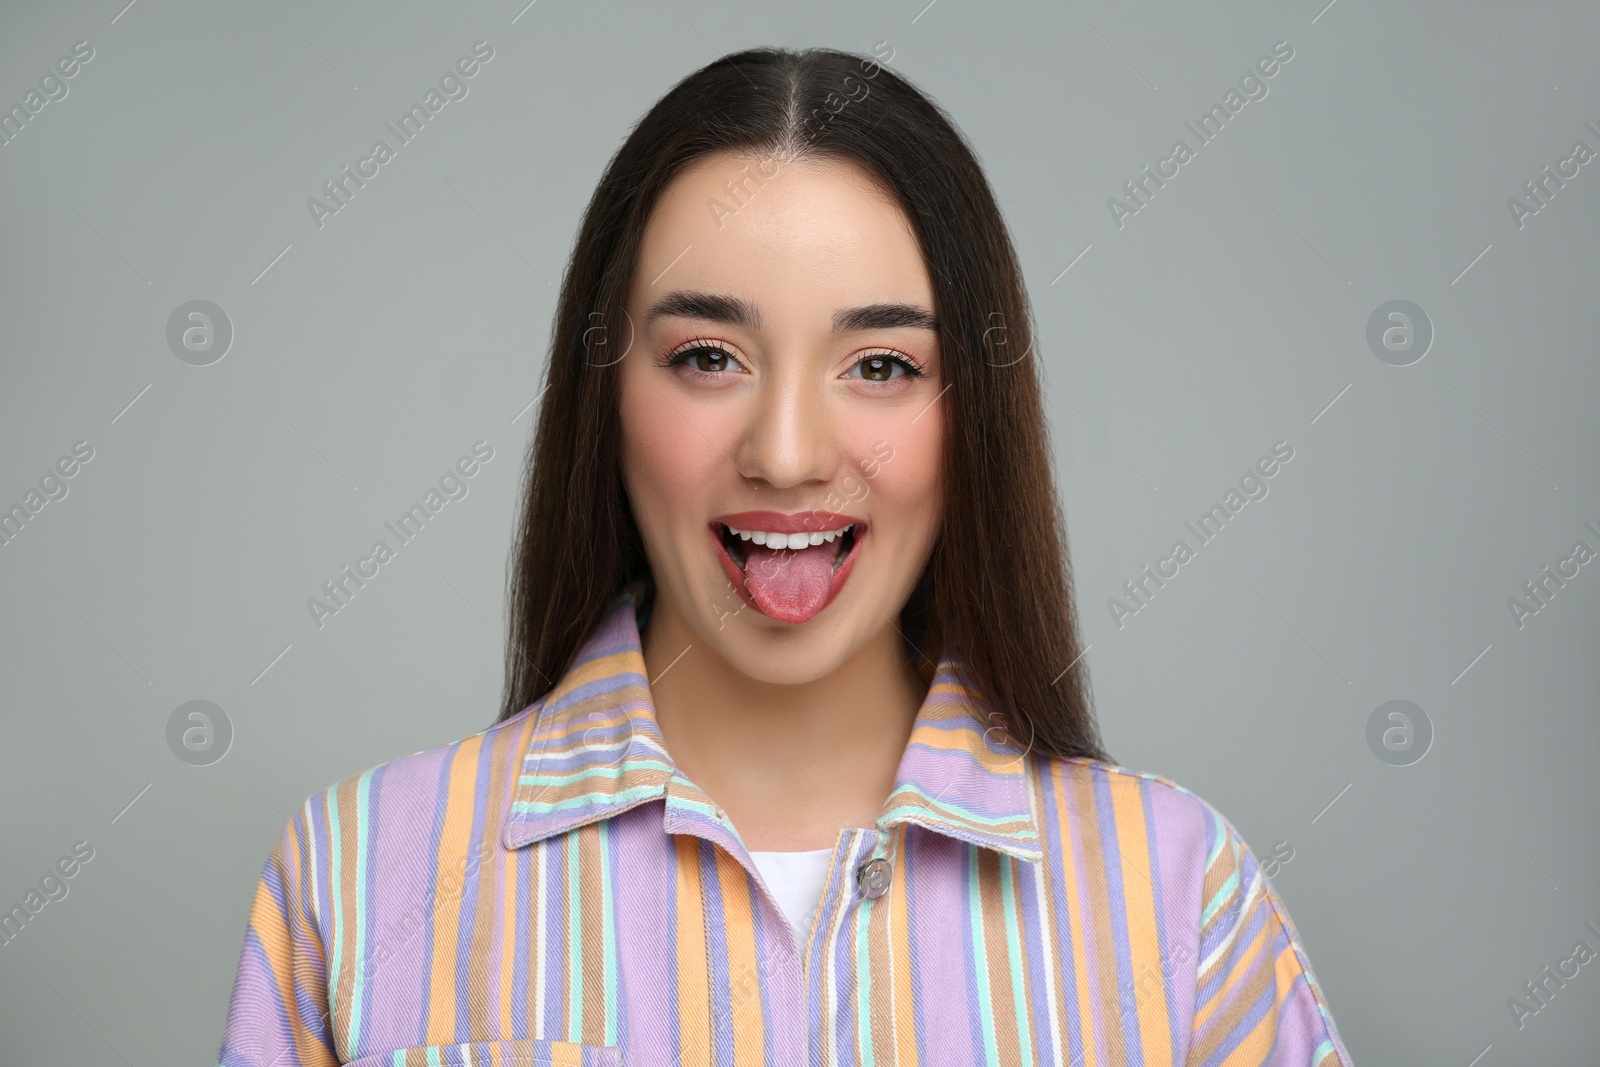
(715, 350)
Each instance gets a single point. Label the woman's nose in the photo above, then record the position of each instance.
(789, 437)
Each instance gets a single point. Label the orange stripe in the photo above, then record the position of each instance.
(487, 866)
(1102, 938)
(1067, 778)
(1144, 943)
(509, 905)
(449, 868)
(276, 942)
(694, 983)
(349, 843)
(900, 953)
(744, 971)
(881, 1030)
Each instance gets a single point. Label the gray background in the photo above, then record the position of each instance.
(1228, 314)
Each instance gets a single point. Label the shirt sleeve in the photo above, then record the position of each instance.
(278, 1015)
(1257, 1003)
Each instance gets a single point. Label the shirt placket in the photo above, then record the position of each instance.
(811, 994)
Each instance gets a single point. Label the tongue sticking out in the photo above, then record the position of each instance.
(789, 584)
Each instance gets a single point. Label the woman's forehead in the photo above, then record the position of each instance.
(818, 233)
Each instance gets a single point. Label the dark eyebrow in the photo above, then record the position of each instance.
(711, 307)
(884, 317)
(692, 304)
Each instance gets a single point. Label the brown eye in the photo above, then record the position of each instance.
(709, 360)
(706, 359)
(881, 368)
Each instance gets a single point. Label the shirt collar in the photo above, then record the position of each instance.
(596, 751)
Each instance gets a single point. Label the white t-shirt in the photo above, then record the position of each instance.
(795, 879)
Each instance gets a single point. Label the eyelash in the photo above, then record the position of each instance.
(700, 344)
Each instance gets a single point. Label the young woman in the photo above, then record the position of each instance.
(796, 763)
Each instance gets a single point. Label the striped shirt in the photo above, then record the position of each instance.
(553, 891)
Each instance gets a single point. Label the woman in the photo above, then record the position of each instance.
(796, 763)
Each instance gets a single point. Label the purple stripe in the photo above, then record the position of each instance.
(397, 895)
(559, 851)
(614, 881)
(441, 797)
(1116, 894)
(717, 956)
(644, 866)
(975, 1012)
(1152, 837)
(920, 928)
(522, 859)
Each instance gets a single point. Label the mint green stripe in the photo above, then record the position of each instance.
(574, 942)
(587, 799)
(1216, 902)
(608, 938)
(1216, 845)
(978, 959)
(1019, 999)
(863, 984)
(599, 771)
(946, 806)
(363, 801)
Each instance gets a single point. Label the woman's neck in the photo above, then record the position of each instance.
(790, 765)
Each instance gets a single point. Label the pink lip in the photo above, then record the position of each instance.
(776, 522)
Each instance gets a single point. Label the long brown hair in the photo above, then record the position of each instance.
(998, 584)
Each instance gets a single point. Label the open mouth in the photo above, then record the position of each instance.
(787, 576)
(735, 541)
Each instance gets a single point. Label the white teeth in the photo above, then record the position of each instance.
(788, 540)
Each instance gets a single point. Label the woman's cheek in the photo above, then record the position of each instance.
(898, 459)
(675, 451)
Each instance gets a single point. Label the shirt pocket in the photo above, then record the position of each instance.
(533, 1052)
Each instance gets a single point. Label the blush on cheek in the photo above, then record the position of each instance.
(670, 460)
(895, 457)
